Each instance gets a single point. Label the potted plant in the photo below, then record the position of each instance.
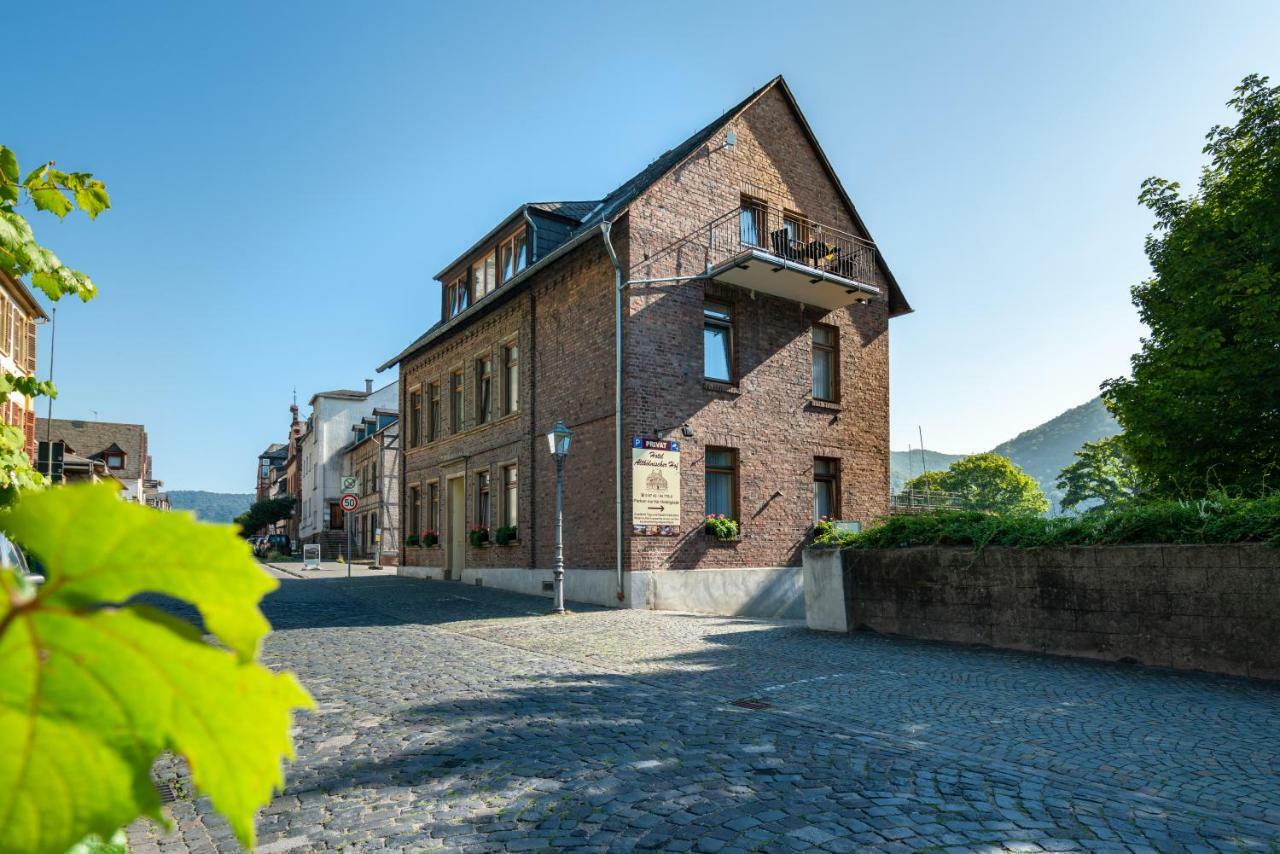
(411, 540)
(430, 538)
(506, 535)
(479, 535)
(721, 527)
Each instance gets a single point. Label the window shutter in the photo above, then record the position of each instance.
(31, 348)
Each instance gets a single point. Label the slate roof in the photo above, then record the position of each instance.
(93, 439)
(573, 210)
(665, 162)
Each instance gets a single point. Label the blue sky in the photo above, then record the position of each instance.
(288, 176)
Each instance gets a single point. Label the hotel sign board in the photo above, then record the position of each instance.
(655, 487)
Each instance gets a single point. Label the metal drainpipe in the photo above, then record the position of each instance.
(617, 400)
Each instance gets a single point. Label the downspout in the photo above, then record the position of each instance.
(605, 227)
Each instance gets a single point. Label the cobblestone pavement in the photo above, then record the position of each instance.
(462, 718)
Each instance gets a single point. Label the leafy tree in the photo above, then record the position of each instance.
(58, 192)
(266, 512)
(94, 686)
(986, 482)
(1102, 472)
(1201, 411)
(47, 189)
(930, 481)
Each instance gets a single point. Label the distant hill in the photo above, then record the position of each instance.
(1046, 450)
(1041, 451)
(211, 506)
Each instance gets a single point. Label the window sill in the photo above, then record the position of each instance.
(441, 440)
(824, 405)
(721, 387)
(713, 540)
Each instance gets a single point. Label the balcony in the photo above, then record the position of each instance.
(775, 252)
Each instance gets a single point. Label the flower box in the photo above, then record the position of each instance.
(722, 528)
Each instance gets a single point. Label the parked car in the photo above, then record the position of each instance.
(12, 557)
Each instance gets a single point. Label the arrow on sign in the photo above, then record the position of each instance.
(659, 509)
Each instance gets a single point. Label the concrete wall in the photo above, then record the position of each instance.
(1214, 608)
(768, 593)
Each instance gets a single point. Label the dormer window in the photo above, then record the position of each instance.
(514, 255)
(499, 264)
(457, 296)
(484, 275)
(115, 461)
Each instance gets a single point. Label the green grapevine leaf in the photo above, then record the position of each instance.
(8, 166)
(50, 199)
(93, 199)
(93, 687)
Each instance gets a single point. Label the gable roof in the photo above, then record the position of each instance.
(668, 160)
(615, 202)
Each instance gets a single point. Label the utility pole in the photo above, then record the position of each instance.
(48, 418)
(924, 465)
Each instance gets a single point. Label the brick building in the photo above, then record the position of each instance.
(753, 320)
(373, 457)
(290, 482)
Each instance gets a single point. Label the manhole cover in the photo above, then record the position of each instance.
(754, 705)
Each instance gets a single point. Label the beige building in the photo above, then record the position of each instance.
(19, 314)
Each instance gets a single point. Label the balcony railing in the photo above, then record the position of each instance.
(771, 251)
(924, 501)
(791, 238)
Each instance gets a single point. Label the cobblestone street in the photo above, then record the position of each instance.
(463, 718)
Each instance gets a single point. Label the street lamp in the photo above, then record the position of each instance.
(558, 442)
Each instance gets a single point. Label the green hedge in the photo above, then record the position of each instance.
(1222, 520)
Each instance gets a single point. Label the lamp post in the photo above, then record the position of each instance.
(558, 441)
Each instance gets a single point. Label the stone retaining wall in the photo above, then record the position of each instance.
(1214, 608)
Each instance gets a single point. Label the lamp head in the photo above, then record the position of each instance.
(558, 439)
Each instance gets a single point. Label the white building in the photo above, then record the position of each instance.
(333, 414)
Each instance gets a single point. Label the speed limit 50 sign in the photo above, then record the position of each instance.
(349, 502)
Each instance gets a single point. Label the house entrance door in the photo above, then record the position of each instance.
(457, 535)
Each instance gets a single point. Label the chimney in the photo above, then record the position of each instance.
(368, 386)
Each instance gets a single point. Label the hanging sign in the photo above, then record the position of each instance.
(655, 487)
